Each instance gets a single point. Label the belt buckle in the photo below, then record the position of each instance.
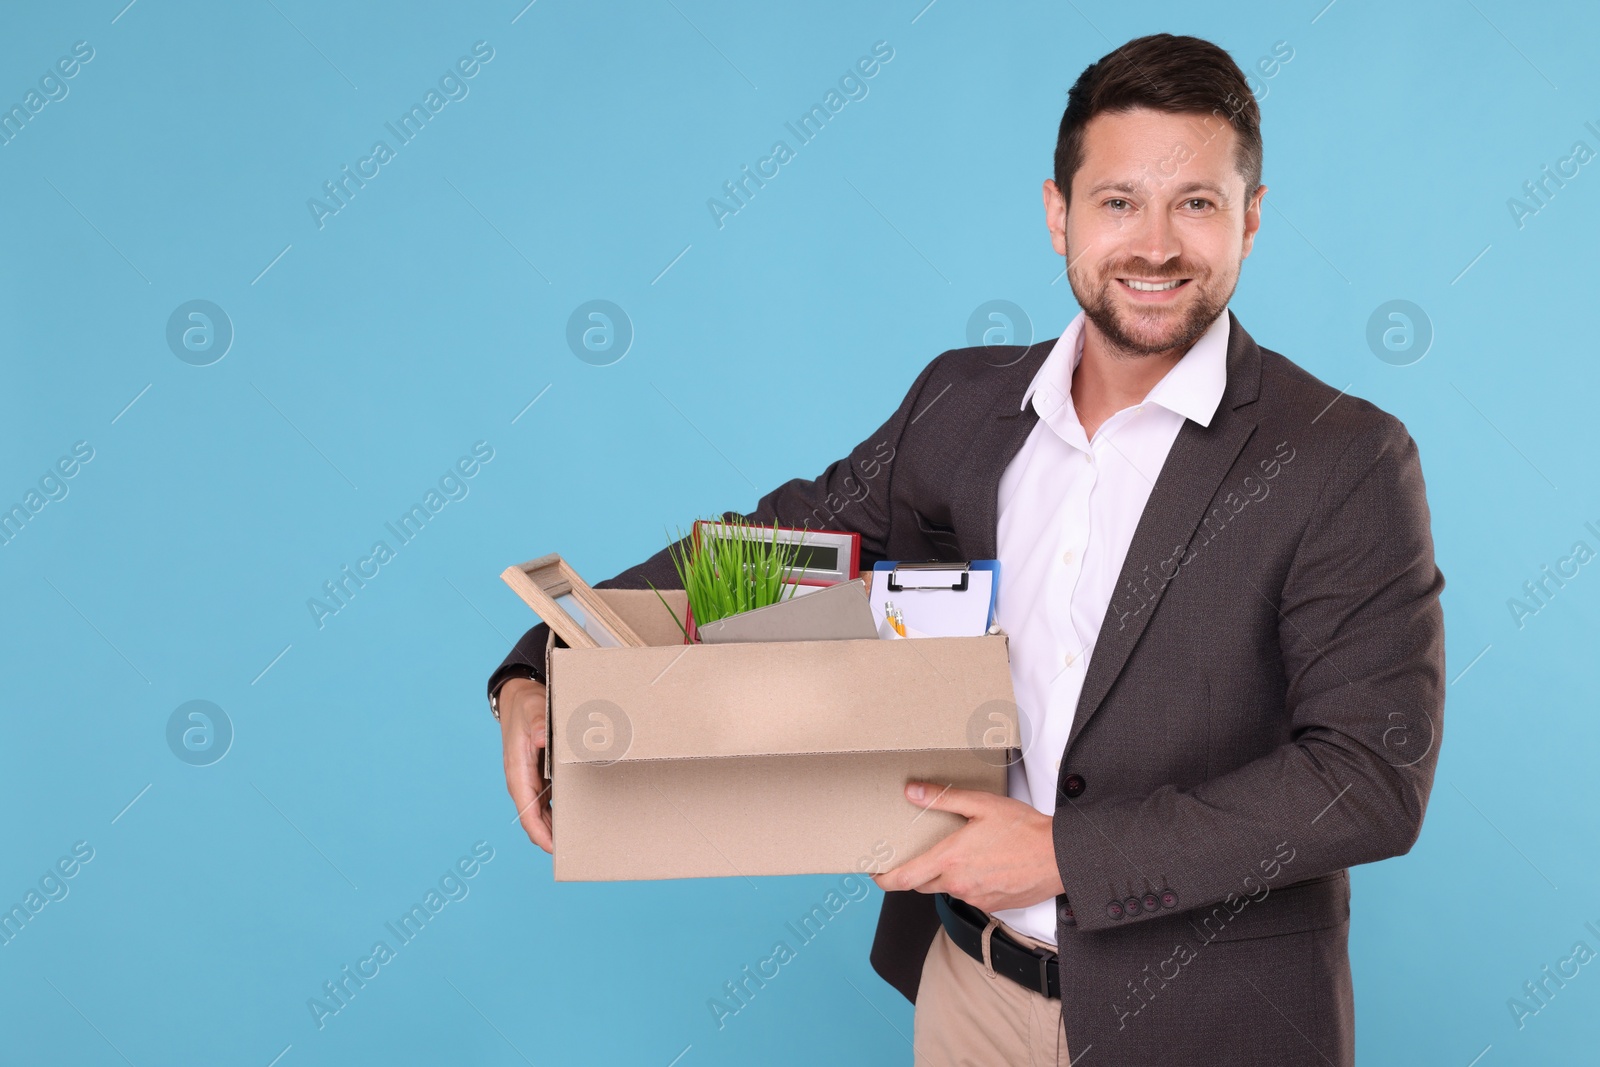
(1044, 956)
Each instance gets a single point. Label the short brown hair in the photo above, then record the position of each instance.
(1180, 75)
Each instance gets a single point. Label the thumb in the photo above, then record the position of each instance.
(945, 797)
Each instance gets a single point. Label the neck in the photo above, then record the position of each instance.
(1110, 378)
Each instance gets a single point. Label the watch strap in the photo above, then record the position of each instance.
(520, 671)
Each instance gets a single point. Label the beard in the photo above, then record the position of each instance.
(1135, 331)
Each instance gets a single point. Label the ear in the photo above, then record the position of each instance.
(1055, 216)
(1252, 219)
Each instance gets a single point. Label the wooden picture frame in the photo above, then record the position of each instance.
(566, 602)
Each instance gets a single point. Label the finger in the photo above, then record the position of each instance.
(546, 821)
(538, 809)
(917, 872)
(968, 802)
(915, 880)
(525, 782)
(536, 821)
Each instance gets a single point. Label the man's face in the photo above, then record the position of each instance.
(1157, 228)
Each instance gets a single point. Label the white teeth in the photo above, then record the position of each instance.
(1151, 287)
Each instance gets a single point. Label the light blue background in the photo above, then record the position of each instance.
(429, 312)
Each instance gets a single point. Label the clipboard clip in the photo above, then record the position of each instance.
(931, 567)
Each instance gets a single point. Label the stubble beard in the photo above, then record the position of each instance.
(1134, 333)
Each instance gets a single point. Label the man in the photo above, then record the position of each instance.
(1226, 642)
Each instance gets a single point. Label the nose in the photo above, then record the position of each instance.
(1154, 237)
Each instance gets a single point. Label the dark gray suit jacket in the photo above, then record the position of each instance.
(1262, 708)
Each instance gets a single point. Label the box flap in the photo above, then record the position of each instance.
(641, 609)
(781, 698)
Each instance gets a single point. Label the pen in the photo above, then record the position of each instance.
(895, 618)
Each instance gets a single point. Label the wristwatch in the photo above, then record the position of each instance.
(494, 697)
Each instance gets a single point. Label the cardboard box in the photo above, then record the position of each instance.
(699, 761)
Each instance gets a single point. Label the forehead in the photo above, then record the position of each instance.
(1127, 145)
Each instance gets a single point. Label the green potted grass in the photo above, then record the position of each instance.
(742, 568)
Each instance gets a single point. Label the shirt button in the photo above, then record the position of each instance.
(1070, 658)
(1066, 557)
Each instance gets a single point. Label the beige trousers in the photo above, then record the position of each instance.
(967, 1015)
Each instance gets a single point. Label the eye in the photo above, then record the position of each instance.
(1116, 203)
(1198, 203)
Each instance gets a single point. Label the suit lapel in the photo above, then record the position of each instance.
(974, 498)
(1200, 458)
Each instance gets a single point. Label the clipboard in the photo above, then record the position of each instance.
(940, 598)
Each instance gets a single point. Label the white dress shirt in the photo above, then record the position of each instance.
(1068, 507)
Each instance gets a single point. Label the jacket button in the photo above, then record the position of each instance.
(1114, 909)
(1169, 899)
(1131, 905)
(1064, 913)
(1074, 785)
(1151, 902)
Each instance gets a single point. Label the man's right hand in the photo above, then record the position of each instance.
(522, 732)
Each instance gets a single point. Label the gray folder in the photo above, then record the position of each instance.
(837, 613)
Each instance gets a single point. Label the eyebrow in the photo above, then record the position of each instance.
(1202, 187)
(1114, 187)
(1182, 190)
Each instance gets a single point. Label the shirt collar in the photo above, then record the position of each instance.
(1192, 388)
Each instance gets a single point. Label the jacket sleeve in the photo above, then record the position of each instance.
(1361, 637)
(851, 494)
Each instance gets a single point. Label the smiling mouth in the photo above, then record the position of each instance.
(1140, 286)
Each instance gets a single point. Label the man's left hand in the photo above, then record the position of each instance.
(1004, 857)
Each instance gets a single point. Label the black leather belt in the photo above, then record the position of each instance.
(1036, 969)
